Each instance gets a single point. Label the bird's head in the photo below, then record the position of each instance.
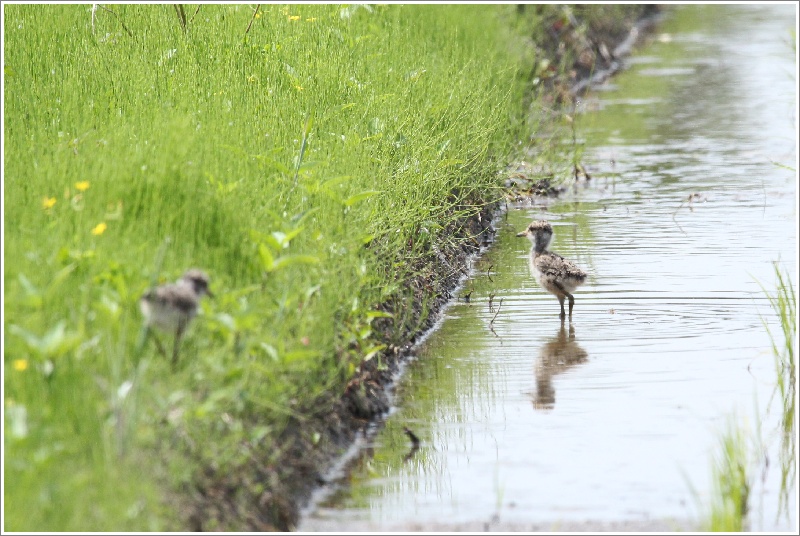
(198, 280)
(540, 232)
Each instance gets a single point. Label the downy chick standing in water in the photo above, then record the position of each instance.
(554, 273)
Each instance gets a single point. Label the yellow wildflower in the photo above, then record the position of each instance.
(20, 364)
(48, 202)
(258, 15)
(298, 87)
(311, 19)
(294, 17)
(82, 186)
(99, 229)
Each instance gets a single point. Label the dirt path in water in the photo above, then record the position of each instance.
(270, 494)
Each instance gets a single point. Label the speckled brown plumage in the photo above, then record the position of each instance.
(554, 273)
(171, 307)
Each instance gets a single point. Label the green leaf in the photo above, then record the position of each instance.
(288, 236)
(267, 260)
(378, 314)
(57, 341)
(311, 291)
(335, 181)
(29, 288)
(280, 239)
(258, 433)
(62, 274)
(374, 350)
(270, 351)
(234, 373)
(30, 339)
(52, 344)
(298, 355)
(309, 124)
(17, 418)
(291, 260)
(110, 305)
(274, 240)
(226, 320)
(256, 236)
(353, 199)
(303, 144)
(274, 164)
(308, 165)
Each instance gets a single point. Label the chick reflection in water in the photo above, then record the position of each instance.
(557, 355)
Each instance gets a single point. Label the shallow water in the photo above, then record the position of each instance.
(614, 416)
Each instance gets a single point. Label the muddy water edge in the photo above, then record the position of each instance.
(610, 421)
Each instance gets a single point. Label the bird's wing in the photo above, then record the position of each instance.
(179, 296)
(554, 265)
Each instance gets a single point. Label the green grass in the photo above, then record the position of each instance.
(784, 304)
(308, 157)
(307, 165)
(731, 481)
(742, 454)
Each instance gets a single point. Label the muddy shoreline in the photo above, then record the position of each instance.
(318, 444)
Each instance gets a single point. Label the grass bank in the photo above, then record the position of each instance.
(322, 163)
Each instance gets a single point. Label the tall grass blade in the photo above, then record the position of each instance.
(309, 121)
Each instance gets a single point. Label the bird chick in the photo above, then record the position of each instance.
(172, 307)
(554, 273)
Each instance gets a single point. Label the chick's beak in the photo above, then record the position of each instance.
(523, 233)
